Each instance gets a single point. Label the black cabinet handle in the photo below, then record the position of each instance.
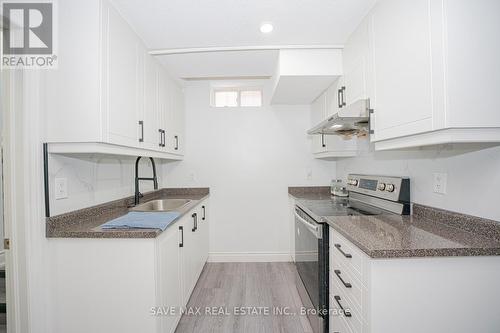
(339, 98)
(323, 144)
(176, 142)
(204, 213)
(346, 313)
(346, 284)
(347, 255)
(161, 137)
(141, 123)
(195, 222)
(343, 97)
(181, 229)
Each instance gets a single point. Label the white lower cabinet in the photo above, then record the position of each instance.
(127, 285)
(411, 295)
(170, 256)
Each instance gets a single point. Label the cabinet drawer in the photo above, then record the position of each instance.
(337, 295)
(350, 285)
(338, 325)
(350, 257)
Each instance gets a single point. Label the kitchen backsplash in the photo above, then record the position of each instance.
(473, 176)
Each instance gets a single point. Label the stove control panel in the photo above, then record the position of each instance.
(385, 187)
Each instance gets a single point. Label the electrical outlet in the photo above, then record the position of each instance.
(61, 188)
(440, 180)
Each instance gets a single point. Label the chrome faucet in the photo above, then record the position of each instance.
(138, 194)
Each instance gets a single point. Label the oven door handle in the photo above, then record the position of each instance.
(315, 229)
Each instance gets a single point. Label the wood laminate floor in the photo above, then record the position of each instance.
(232, 287)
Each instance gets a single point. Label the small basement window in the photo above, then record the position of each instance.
(237, 97)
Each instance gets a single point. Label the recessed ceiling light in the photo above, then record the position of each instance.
(266, 28)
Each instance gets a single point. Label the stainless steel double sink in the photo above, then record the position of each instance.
(163, 205)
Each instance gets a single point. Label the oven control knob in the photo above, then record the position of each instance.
(389, 188)
(381, 186)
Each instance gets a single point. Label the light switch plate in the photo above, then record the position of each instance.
(440, 182)
(61, 188)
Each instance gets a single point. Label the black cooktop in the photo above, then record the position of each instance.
(340, 206)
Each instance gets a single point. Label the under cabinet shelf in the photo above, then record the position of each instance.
(107, 149)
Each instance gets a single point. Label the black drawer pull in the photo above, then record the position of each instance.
(343, 97)
(204, 213)
(347, 255)
(141, 123)
(346, 284)
(181, 244)
(347, 313)
(195, 222)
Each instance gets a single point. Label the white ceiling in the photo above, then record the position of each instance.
(164, 24)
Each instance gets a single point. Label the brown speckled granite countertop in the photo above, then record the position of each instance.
(84, 223)
(429, 232)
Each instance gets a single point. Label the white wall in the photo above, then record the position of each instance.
(95, 179)
(248, 157)
(473, 176)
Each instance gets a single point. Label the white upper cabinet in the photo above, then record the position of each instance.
(178, 128)
(123, 75)
(108, 94)
(403, 67)
(332, 146)
(472, 66)
(165, 95)
(151, 115)
(435, 72)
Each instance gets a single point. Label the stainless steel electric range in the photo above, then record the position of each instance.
(368, 195)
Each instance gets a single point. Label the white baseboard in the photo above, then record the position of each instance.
(249, 257)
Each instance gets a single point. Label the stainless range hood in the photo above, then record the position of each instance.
(350, 120)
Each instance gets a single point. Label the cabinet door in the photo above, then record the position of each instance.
(188, 257)
(333, 99)
(472, 70)
(205, 225)
(354, 81)
(122, 81)
(202, 238)
(355, 56)
(401, 45)
(177, 137)
(165, 108)
(199, 245)
(169, 282)
(151, 117)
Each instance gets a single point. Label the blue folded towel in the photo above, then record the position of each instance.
(142, 220)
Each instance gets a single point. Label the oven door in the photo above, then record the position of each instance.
(310, 255)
